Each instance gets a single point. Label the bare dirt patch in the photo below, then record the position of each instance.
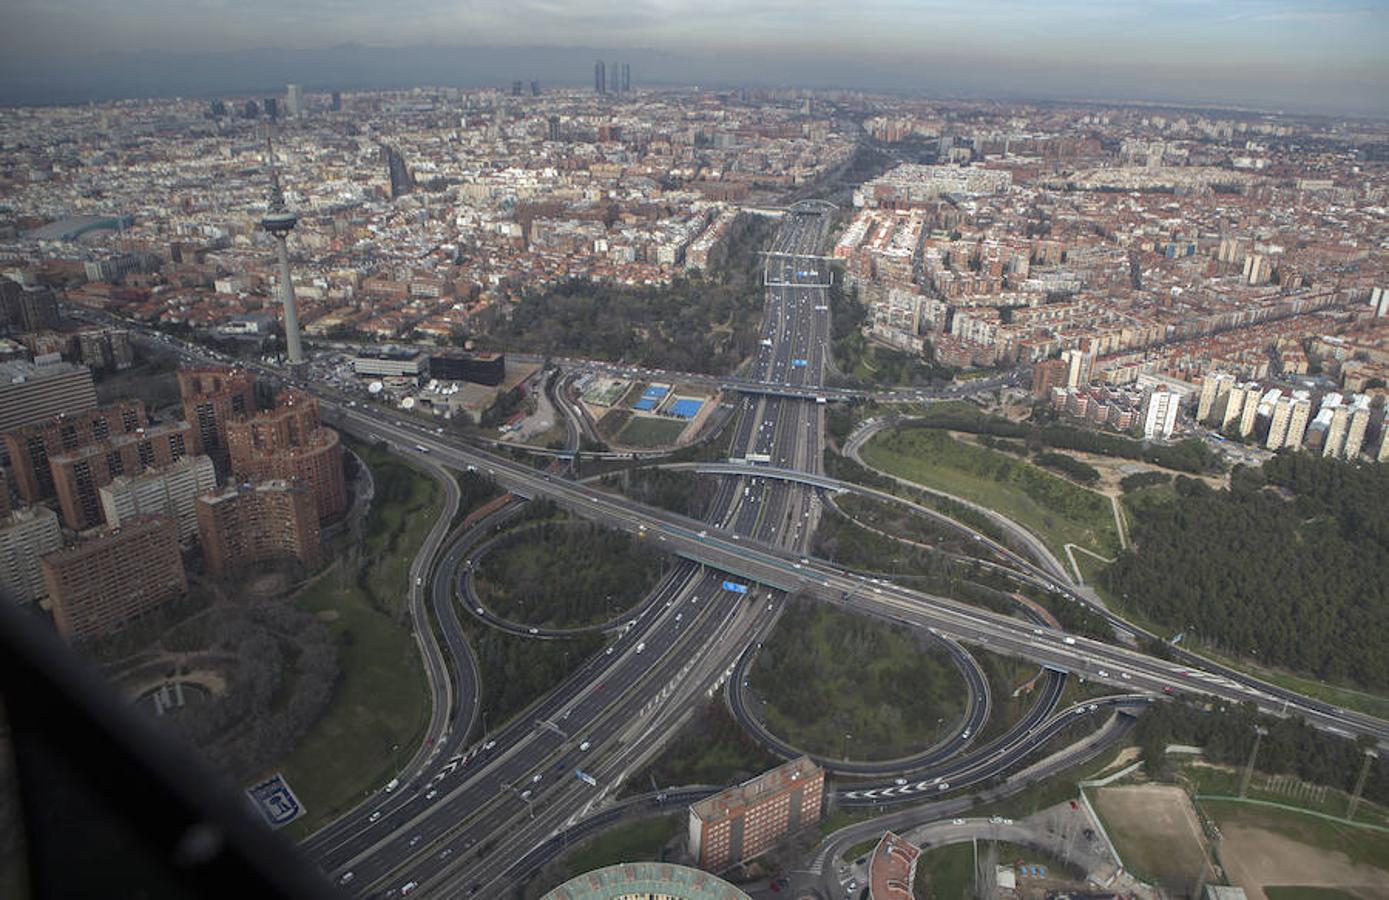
(1264, 848)
(1157, 834)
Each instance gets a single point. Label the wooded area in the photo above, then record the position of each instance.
(1291, 747)
(1287, 566)
(697, 323)
(566, 574)
(825, 673)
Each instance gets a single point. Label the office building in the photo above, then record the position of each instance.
(335, 104)
(401, 180)
(25, 536)
(479, 368)
(272, 108)
(104, 348)
(165, 490)
(518, 88)
(31, 392)
(626, 78)
(289, 443)
(103, 582)
(79, 474)
(27, 308)
(1160, 413)
(390, 364)
(600, 78)
(246, 524)
(535, 89)
(29, 448)
(1078, 366)
(745, 821)
(294, 100)
(1215, 389)
(1047, 374)
(213, 397)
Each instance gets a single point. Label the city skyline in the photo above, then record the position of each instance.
(1277, 55)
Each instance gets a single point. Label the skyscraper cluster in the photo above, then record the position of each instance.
(614, 80)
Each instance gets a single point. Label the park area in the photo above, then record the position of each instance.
(1055, 509)
(380, 704)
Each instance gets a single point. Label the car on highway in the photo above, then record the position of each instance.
(376, 816)
(409, 888)
(899, 781)
(584, 746)
(943, 786)
(346, 878)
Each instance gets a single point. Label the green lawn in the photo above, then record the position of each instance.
(380, 706)
(638, 841)
(824, 673)
(946, 873)
(1056, 510)
(1300, 892)
(649, 431)
(1224, 781)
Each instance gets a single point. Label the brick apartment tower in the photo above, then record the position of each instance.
(289, 443)
(246, 524)
(213, 397)
(105, 581)
(748, 820)
(79, 475)
(30, 446)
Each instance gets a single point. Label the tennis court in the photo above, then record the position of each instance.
(686, 407)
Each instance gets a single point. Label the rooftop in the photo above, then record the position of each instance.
(752, 790)
(645, 879)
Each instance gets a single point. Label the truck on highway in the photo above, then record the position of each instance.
(585, 778)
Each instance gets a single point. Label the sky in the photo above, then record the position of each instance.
(1302, 55)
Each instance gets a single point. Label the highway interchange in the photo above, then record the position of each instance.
(474, 818)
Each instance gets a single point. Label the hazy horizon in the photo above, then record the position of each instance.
(1295, 56)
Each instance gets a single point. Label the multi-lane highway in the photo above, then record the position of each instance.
(459, 828)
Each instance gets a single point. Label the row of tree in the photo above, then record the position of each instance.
(1290, 747)
(1286, 566)
(1190, 455)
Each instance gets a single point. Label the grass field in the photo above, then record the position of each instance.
(1156, 833)
(946, 873)
(634, 842)
(1223, 781)
(1263, 847)
(1302, 892)
(825, 674)
(649, 431)
(380, 705)
(1058, 511)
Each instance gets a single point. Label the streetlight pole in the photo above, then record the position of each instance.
(1259, 732)
(1370, 756)
(846, 746)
